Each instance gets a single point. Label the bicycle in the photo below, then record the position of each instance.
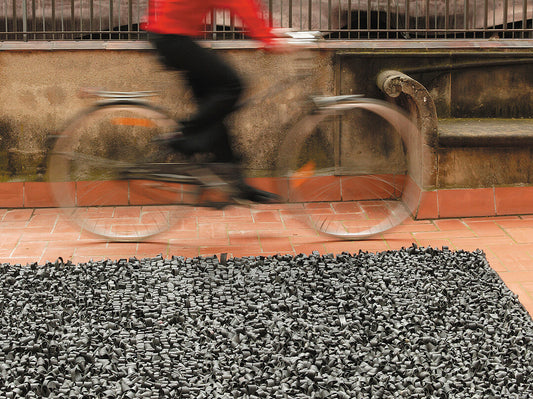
(113, 180)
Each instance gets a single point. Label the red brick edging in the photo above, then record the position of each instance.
(468, 202)
(435, 204)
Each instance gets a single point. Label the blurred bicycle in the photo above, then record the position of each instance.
(112, 176)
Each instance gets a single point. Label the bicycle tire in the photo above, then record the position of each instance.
(83, 168)
(351, 201)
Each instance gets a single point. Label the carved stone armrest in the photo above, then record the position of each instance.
(416, 100)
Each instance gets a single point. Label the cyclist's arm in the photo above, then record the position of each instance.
(250, 13)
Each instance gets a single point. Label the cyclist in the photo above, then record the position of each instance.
(216, 86)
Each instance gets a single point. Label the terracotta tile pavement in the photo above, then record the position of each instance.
(41, 235)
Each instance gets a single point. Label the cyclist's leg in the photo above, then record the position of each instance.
(216, 88)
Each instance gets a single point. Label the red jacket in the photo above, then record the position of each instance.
(187, 17)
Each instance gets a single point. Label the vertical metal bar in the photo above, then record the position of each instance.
(5, 14)
(359, 30)
(337, 138)
(24, 20)
(139, 20)
(377, 22)
(205, 28)
(91, 16)
(437, 17)
(447, 16)
(130, 18)
(72, 20)
(299, 27)
(44, 19)
(387, 25)
(339, 18)
(454, 19)
(416, 19)
(62, 21)
(493, 12)
(53, 21)
(427, 19)
(15, 17)
(329, 15)
(524, 19)
(119, 16)
(270, 12)
(214, 24)
(466, 17)
(368, 19)
(474, 16)
(290, 13)
(349, 19)
(320, 16)
(230, 34)
(80, 29)
(223, 34)
(100, 19)
(33, 17)
(407, 12)
(34, 28)
(111, 11)
(505, 16)
(397, 19)
(485, 18)
(309, 15)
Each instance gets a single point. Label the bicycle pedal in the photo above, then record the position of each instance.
(165, 138)
(215, 205)
(244, 202)
(211, 180)
(213, 198)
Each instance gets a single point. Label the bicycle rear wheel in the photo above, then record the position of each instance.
(345, 168)
(89, 166)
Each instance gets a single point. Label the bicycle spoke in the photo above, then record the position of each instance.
(344, 196)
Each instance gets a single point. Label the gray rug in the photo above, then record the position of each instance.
(414, 323)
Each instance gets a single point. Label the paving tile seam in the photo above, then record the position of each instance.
(504, 239)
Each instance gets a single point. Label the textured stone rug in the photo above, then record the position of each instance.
(415, 323)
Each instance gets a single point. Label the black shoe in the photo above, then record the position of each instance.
(231, 172)
(196, 144)
(253, 194)
(177, 141)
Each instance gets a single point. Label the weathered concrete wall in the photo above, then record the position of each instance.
(462, 84)
(38, 95)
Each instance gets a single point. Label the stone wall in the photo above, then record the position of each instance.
(38, 94)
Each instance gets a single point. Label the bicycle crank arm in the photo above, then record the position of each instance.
(100, 161)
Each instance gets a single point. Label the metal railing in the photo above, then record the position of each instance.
(340, 19)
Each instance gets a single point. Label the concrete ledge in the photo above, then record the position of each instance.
(429, 195)
(415, 98)
(434, 204)
(485, 132)
(341, 45)
(468, 202)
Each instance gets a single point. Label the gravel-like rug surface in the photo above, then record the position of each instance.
(414, 323)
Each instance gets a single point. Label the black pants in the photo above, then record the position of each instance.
(215, 86)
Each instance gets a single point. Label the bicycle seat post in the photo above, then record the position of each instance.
(305, 42)
(110, 96)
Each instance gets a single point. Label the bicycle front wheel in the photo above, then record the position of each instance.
(90, 169)
(345, 168)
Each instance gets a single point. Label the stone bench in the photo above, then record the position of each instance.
(462, 166)
(472, 132)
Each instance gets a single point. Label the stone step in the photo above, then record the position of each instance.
(487, 132)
